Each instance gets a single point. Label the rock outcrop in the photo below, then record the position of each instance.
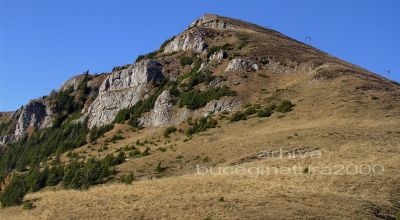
(225, 104)
(190, 39)
(123, 89)
(73, 82)
(164, 113)
(211, 21)
(240, 65)
(35, 115)
(219, 55)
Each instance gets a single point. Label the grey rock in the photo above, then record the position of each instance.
(254, 67)
(164, 113)
(211, 21)
(36, 114)
(123, 89)
(72, 82)
(237, 65)
(240, 65)
(190, 39)
(225, 104)
(203, 67)
(219, 55)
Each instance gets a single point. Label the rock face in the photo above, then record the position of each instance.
(211, 21)
(123, 89)
(191, 39)
(36, 114)
(225, 104)
(73, 82)
(164, 113)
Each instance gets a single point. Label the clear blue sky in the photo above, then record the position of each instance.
(45, 42)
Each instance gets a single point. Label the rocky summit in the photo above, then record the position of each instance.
(219, 94)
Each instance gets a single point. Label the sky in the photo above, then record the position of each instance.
(43, 43)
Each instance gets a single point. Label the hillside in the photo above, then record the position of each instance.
(220, 94)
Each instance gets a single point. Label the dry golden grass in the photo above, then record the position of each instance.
(245, 196)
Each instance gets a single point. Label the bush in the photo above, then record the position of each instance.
(169, 130)
(115, 137)
(238, 116)
(197, 99)
(95, 133)
(212, 50)
(28, 205)
(14, 193)
(199, 78)
(264, 113)
(250, 111)
(186, 61)
(150, 55)
(127, 179)
(285, 106)
(201, 125)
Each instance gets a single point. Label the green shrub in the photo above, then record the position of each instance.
(37, 179)
(201, 125)
(14, 193)
(250, 111)
(28, 205)
(150, 55)
(169, 130)
(95, 133)
(3, 127)
(115, 138)
(186, 61)
(146, 152)
(213, 49)
(197, 99)
(199, 78)
(55, 175)
(80, 175)
(285, 106)
(127, 179)
(264, 113)
(238, 116)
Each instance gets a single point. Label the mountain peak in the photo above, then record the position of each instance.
(212, 21)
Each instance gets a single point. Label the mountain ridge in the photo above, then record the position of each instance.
(216, 95)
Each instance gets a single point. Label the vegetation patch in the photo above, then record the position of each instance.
(197, 99)
(96, 133)
(201, 125)
(30, 151)
(186, 60)
(169, 130)
(213, 49)
(285, 106)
